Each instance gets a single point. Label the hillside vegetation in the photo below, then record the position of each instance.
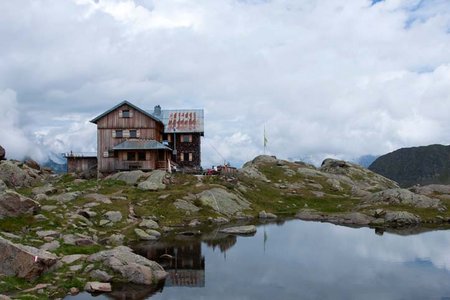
(416, 165)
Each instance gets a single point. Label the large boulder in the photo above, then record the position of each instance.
(223, 201)
(403, 196)
(401, 218)
(13, 204)
(129, 177)
(357, 177)
(154, 182)
(432, 189)
(130, 266)
(2, 153)
(24, 261)
(15, 176)
(243, 230)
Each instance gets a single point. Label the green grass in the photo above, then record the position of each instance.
(73, 249)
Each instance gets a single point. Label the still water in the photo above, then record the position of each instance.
(299, 260)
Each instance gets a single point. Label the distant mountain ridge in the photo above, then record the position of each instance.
(417, 165)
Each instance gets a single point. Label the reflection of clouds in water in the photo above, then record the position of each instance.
(307, 260)
(430, 246)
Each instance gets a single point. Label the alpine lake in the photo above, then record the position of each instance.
(297, 260)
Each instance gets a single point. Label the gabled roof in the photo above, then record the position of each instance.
(141, 145)
(182, 120)
(96, 119)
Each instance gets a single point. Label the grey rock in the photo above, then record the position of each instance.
(47, 189)
(402, 196)
(40, 218)
(10, 235)
(253, 172)
(49, 207)
(154, 182)
(432, 189)
(114, 216)
(223, 201)
(24, 261)
(45, 233)
(131, 267)
(219, 220)
(149, 224)
(13, 204)
(75, 268)
(401, 218)
(70, 259)
(194, 223)
(185, 205)
(144, 236)
(50, 246)
(264, 215)
(249, 229)
(3, 186)
(14, 176)
(116, 239)
(40, 197)
(98, 198)
(98, 287)
(69, 239)
(130, 178)
(154, 233)
(66, 197)
(100, 276)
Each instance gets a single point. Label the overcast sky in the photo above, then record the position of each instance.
(328, 78)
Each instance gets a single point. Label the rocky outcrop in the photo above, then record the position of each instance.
(99, 287)
(401, 218)
(66, 197)
(355, 176)
(13, 204)
(223, 202)
(185, 205)
(15, 176)
(431, 190)
(243, 230)
(352, 218)
(2, 153)
(130, 266)
(24, 261)
(154, 182)
(403, 196)
(130, 177)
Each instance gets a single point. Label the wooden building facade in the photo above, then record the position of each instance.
(183, 129)
(129, 138)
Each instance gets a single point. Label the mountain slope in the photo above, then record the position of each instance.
(417, 165)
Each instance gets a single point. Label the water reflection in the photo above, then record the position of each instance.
(304, 260)
(182, 260)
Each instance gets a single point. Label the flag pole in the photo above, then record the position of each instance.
(265, 139)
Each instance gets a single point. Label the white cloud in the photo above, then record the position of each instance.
(339, 78)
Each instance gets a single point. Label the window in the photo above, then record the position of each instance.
(186, 156)
(118, 133)
(141, 155)
(133, 133)
(131, 156)
(126, 113)
(186, 138)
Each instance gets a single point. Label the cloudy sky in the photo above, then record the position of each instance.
(339, 78)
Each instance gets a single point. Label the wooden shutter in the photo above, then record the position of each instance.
(190, 139)
(138, 133)
(113, 133)
(131, 113)
(190, 156)
(120, 114)
(126, 133)
(181, 156)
